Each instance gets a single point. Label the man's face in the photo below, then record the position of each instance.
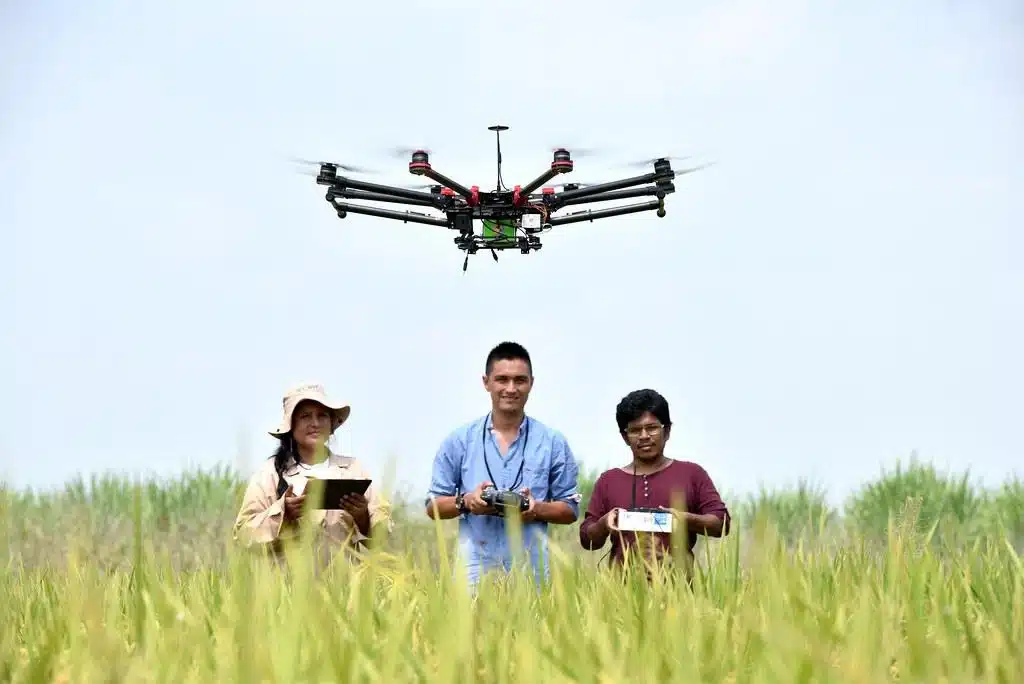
(646, 437)
(509, 384)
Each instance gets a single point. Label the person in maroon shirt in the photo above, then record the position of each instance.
(651, 480)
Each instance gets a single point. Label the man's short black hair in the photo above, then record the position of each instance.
(639, 402)
(508, 351)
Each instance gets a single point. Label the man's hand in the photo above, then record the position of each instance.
(475, 504)
(706, 524)
(359, 508)
(554, 512)
(683, 518)
(610, 520)
(293, 505)
(530, 514)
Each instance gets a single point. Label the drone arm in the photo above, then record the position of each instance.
(541, 179)
(346, 193)
(594, 214)
(447, 182)
(556, 201)
(403, 216)
(602, 188)
(340, 184)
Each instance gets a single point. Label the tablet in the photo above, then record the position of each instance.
(326, 493)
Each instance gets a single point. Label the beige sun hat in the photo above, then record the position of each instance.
(311, 391)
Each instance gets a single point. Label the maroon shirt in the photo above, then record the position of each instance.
(614, 489)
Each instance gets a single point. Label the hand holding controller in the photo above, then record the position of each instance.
(475, 503)
(499, 499)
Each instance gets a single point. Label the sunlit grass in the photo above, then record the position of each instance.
(114, 581)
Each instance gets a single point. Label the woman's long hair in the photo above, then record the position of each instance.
(285, 454)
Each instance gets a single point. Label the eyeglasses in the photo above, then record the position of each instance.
(651, 429)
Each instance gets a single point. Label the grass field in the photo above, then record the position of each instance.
(918, 578)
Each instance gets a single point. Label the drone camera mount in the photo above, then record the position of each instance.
(512, 218)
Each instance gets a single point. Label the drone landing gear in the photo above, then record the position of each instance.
(471, 244)
(465, 262)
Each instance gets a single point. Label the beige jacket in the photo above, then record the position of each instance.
(261, 516)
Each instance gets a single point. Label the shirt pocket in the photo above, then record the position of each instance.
(536, 473)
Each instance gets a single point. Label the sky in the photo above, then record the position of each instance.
(840, 290)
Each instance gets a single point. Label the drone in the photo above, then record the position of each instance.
(512, 218)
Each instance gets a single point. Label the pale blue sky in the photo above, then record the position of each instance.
(843, 287)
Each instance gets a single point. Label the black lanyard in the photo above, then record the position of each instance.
(526, 439)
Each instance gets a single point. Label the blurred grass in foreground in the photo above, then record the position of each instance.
(917, 579)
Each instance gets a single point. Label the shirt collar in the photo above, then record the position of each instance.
(489, 423)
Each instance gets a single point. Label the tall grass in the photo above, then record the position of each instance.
(917, 579)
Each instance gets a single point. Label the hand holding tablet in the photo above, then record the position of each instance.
(326, 488)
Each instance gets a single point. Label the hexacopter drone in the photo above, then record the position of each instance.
(512, 219)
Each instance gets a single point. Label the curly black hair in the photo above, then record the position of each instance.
(639, 402)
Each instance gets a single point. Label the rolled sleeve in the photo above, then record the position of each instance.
(445, 478)
(261, 516)
(564, 475)
(709, 501)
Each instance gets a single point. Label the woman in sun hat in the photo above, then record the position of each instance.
(274, 499)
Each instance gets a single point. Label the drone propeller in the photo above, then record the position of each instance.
(579, 152)
(416, 186)
(694, 168)
(401, 152)
(581, 184)
(344, 167)
(649, 162)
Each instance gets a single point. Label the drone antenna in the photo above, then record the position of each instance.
(498, 128)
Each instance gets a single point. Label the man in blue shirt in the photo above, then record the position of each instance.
(511, 451)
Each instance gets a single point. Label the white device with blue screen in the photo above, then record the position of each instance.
(645, 521)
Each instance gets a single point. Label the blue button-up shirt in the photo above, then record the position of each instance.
(549, 470)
